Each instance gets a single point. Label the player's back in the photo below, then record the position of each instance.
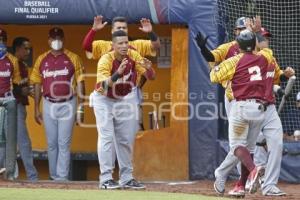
(249, 80)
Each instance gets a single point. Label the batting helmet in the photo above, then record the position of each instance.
(240, 22)
(246, 40)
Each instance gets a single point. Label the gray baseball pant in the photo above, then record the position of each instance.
(24, 143)
(272, 131)
(8, 150)
(59, 120)
(138, 100)
(116, 124)
(260, 154)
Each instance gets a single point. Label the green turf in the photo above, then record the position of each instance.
(59, 194)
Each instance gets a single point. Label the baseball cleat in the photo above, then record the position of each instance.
(2, 170)
(237, 191)
(254, 176)
(247, 186)
(133, 184)
(110, 185)
(219, 185)
(275, 191)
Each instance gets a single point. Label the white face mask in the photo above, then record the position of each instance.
(56, 45)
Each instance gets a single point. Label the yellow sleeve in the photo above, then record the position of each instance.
(79, 69)
(229, 92)
(143, 47)
(35, 76)
(277, 74)
(100, 47)
(221, 51)
(78, 66)
(16, 79)
(138, 59)
(224, 71)
(267, 53)
(103, 70)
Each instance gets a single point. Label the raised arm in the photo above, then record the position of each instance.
(146, 27)
(89, 38)
(201, 42)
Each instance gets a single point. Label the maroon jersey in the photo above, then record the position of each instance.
(124, 85)
(6, 73)
(57, 74)
(233, 51)
(249, 80)
(269, 94)
(23, 99)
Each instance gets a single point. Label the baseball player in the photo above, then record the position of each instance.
(21, 48)
(116, 109)
(9, 75)
(96, 49)
(58, 74)
(272, 130)
(268, 152)
(248, 73)
(216, 56)
(222, 52)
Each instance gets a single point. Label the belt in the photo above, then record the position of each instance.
(6, 94)
(263, 104)
(262, 143)
(58, 100)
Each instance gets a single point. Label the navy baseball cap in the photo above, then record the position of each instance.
(240, 23)
(56, 32)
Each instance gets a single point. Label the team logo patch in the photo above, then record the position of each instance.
(216, 68)
(63, 72)
(6, 73)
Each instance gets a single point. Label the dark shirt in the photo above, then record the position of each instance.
(23, 99)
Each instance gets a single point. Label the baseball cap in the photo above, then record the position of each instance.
(3, 34)
(265, 32)
(240, 23)
(56, 32)
(298, 96)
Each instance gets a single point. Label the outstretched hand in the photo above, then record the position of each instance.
(253, 24)
(146, 63)
(98, 23)
(122, 66)
(289, 72)
(146, 25)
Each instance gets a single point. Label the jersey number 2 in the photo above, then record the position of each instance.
(255, 73)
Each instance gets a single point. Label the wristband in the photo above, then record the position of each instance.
(115, 77)
(283, 78)
(153, 37)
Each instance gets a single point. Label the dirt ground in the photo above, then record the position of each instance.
(195, 187)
